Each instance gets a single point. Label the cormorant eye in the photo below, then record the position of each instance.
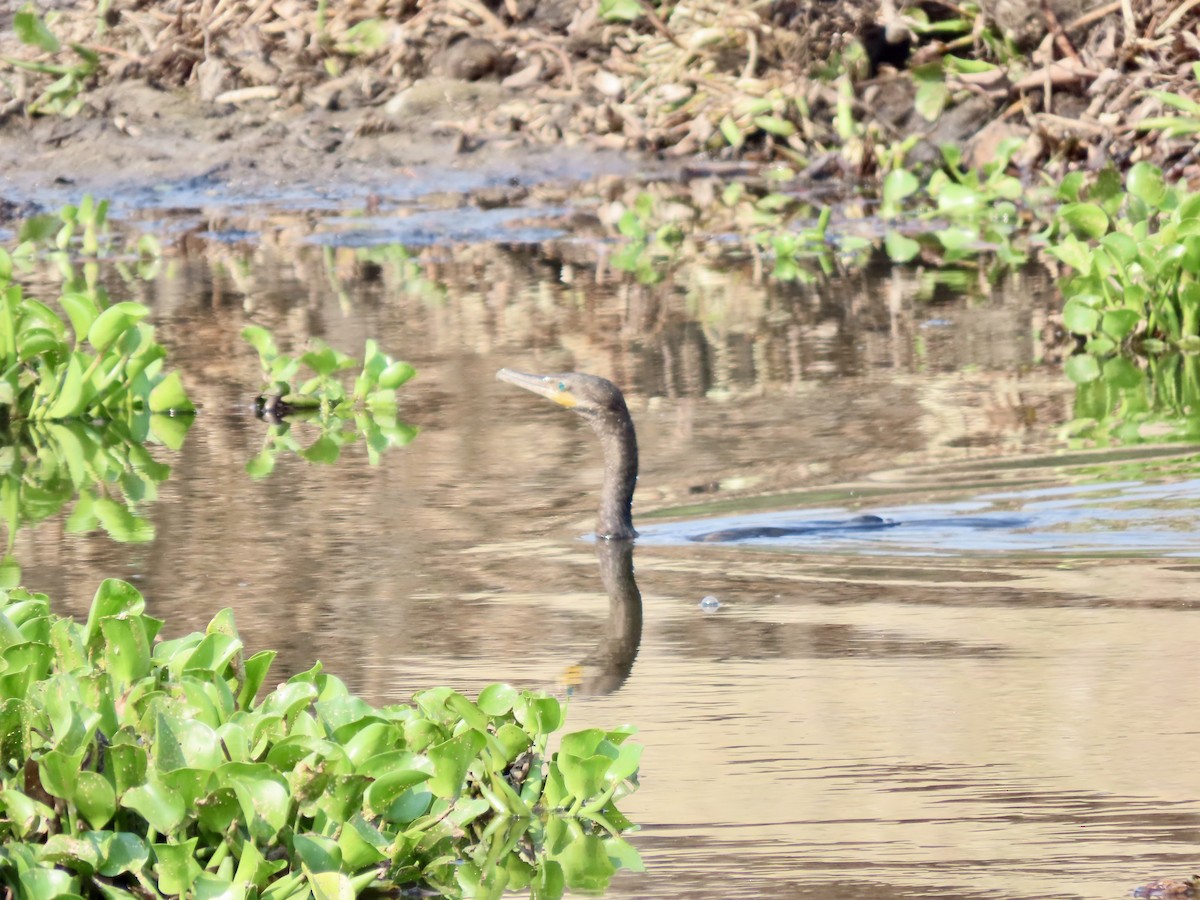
(562, 385)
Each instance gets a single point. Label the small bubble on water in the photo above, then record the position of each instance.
(710, 604)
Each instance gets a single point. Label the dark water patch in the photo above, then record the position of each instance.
(424, 227)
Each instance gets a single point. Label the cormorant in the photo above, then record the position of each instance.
(602, 404)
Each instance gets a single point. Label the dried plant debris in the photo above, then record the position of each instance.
(867, 82)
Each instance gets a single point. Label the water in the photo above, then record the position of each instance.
(930, 710)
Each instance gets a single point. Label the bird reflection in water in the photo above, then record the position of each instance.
(606, 668)
(601, 404)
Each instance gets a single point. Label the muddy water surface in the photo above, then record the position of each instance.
(946, 710)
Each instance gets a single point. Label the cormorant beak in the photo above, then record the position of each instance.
(549, 386)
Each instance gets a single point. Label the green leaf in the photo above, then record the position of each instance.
(585, 863)
(1082, 368)
(930, 98)
(213, 887)
(112, 598)
(395, 375)
(1120, 323)
(1121, 373)
(1070, 187)
(126, 648)
(584, 776)
(263, 795)
(540, 714)
(899, 185)
(1145, 181)
(95, 799)
(1074, 253)
(900, 249)
(959, 201)
(170, 430)
(621, 10)
(185, 743)
(122, 852)
(114, 322)
(317, 853)
(177, 867)
(121, 523)
(1123, 248)
(71, 398)
(31, 30)
(331, 886)
(497, 699)
(324, 450)
(775, 125)
(1086, 220)
(169, 396)
(59, 772)
(967, 66)
(10, 572)
(1079, 318)
(451, 759)
(261, 340)
(161, 807)
(732, 134)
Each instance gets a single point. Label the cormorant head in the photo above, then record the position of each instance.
(588, 395)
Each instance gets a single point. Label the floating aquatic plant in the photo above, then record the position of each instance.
(138, 767)
(366, 411)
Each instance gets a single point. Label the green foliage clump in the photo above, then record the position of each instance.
(90, 359)
(139, 769)
(366, 412)
(1118, 401)
(64, 95)
(1135, 256)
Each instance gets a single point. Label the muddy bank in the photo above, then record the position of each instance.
(154, 148)
(284, 93)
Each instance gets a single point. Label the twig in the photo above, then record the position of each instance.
(1094, 15)
(1065, 122)
(752, 47)
(1060, 37)
(112, 51)
(485, 15)
(1130, 22)
(568, 69)
(659, 25)
(1176, 16)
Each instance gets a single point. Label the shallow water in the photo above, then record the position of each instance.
(999, 707)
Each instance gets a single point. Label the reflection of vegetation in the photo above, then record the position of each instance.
(81, 392)
(1127, 404)
(649, 248)
(957, 216)
(367, 412)
(394, 264)
(137, 768)
(108, 472)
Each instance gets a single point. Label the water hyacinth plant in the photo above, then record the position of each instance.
(138, 769)
(367, 411)
(83, 356)
(1134, 252)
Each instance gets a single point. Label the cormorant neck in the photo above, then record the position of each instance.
(619, 443)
